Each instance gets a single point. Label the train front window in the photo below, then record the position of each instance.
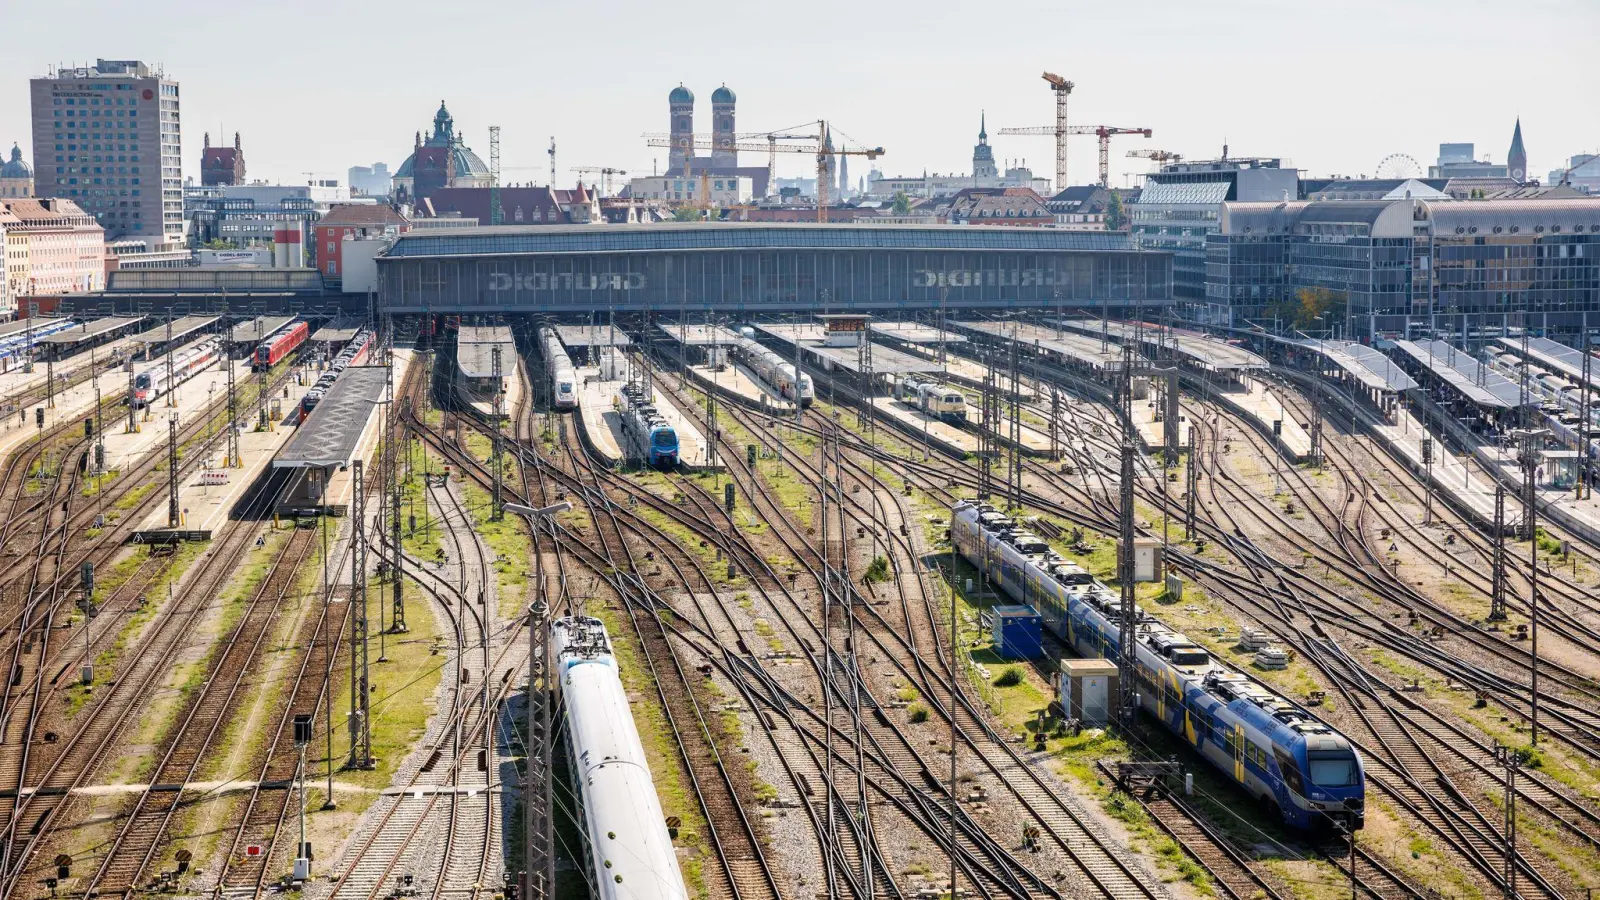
(143, 382)
(566, 387)
(664, 439)
(1332, 769)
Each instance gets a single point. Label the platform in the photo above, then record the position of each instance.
(1555, 357)
(1200, 350)
(1152, 431)
(346, 426)
(943, 435)
(1260, 402)
(14, 381)
(741, 383)
(254, 331)
(970, 374)
(208, 497)
(597, 414)
(474, 397)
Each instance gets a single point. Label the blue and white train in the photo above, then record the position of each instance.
(1300, 770)
(16, 345)
(646, 433)
(558, 369)
(630, 849)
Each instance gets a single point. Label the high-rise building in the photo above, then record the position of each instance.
(1517, 157)
(107, 137)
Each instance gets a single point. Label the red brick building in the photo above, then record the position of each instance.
(353, 221)
(222, 165)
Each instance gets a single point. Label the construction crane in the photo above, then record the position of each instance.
(821, 151)
(1062, 88)
(1103, 132)
(1161, 157)
(605, 176)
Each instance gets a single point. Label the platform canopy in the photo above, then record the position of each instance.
(330, 434)
(181, 328)
(21, 325)
(916, 333)
(885, 360)
(592, 336)
(339, 330)
(1557, 357)
(1201, 350)
(475, 350)
(1082, 348)
(1458, 368)
(91, 329)
(257, 329)
(698, 335)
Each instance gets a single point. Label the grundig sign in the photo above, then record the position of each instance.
(634, 281)
(566, 281)
(983, 277)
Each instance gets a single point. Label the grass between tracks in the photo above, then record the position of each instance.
(77, 695)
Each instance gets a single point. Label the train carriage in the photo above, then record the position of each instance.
(1301, 771)
(771, 368)
(558, 370)
(646, 433)
(153, 383)
(274, 349)
(629, 848)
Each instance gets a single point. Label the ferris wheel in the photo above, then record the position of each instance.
(1399, 165)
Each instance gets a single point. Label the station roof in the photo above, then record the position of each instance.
(181, 328)
(885, 360)
(916, 332)
(475, 350)
(592, 336)
(1203, 350)
(21, 325)
(328, 437)
(1082, 348)
(1557, 357)
(699, 335)
(257, 329)
(1475, 380)
(712, 236)
(341, 329)
(91, 329)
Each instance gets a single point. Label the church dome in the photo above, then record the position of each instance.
(680, 94)
(15, 167)
(723, 95)
(467, 163)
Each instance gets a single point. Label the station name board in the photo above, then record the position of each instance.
(566, 281)
(635, 281)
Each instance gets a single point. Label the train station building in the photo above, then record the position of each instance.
(751, 268)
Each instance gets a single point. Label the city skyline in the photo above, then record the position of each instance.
(320, 93)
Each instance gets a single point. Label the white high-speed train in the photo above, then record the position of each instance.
(771, 368)
(152, 382)
(629, 847)
(558, 368)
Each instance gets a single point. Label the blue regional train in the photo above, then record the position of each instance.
(1301, 771)
(647, 433)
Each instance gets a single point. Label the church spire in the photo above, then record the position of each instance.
(983, 127)
(1517, 156)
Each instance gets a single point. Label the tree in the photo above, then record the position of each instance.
(902, 203)
(1116, 217)
(220, 244)
(686, 214)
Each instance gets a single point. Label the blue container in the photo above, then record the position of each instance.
(1017, 632)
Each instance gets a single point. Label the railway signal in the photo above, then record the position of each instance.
(302, 737)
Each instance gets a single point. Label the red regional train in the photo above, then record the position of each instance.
(270, 351)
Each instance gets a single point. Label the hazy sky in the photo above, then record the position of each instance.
(1334, 86)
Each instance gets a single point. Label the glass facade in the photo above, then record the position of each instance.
(845, 267)
(1553, 277)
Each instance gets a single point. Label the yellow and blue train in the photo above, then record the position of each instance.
(1300, 770)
